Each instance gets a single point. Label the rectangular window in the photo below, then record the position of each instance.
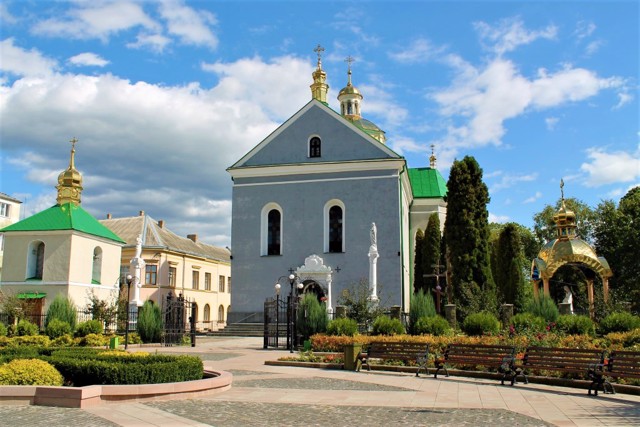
(229, 284)
(172, 277)
(151, 274)
(221, 284)
(4, 209)
(207, 281)
(195, 279)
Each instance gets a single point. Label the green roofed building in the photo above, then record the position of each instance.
(61, 250)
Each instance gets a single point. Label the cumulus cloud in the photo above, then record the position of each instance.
(155, 42)
(610, 167)
(20, 62)
(500, 219)
(88, 59)
(533, 198)
(511, 33)
(191, 26)
(122, 125)
(5, 16)
(508, 180)
(99, 19)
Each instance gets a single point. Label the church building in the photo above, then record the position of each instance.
(306, 198)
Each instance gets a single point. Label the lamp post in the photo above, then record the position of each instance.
(277, 314)
(129, 280)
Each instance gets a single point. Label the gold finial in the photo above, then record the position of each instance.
(70, 180)
(432, 159)
(319, 49)
(349, 60)
(562, 189)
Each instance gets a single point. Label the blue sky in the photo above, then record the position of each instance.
(163, 96)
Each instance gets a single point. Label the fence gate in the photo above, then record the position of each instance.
(179, 320)
(276, 323)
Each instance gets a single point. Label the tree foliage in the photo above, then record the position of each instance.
(431, 250)
(545, 228)
(507, 267)
(418, 271)
(466, 236)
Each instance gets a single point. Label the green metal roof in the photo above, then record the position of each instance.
(427, 183)
(64, 217)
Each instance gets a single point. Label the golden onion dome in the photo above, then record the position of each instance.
(349, 89)
(70, 181)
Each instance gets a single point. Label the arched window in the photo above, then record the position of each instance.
(221, 314)
(334, 226)
(271, 230)
(207, 313)
(35, 260)
(96, 271)
(315, 147)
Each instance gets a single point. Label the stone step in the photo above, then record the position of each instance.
(240, 330)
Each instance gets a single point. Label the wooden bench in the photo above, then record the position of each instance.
(499, 357)
(623, 364)
(401, 351)
(574, 362)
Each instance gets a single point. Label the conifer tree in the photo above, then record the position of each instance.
(509, 276)
(466, 236)
(418, 271)
(431, 252)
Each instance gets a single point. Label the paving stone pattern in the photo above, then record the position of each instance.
(208, 356)
(233, 414)
(315, 384)
(36, 416)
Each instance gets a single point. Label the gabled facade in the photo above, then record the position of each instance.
(305, 199)
(177, 265)
(61, 250)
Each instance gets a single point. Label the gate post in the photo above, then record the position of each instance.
(193, 325)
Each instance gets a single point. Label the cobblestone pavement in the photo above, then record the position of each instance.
(36, 416)
(314, 384)
(221, 414)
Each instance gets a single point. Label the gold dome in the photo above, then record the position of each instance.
(559, 252)
(70, 181)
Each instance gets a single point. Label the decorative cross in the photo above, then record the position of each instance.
(562, 188)
(319, 49)
(291, 270)
(349, 60)
(337, 269)
(73, 143)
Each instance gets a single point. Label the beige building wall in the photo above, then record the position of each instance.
(9, 214)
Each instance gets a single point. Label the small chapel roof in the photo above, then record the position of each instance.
(67, 216)
(427, 183)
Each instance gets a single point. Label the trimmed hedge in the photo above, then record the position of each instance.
(342, 326)
(482, 323)
(433, 325)
(619, 322)
(384, 325)
(29, 372)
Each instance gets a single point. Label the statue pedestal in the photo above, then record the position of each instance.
(450, 314)
(565, 308)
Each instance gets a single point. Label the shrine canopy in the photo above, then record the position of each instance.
(568, 248)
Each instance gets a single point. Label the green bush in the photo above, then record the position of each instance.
(62, 308)
(526, 322)
(384, 325)
(29, 372)
(312, 316)
(3, 330)
(63, 341)
(26, 328)
(89, 327)
(36, 340)
(93, 340)
(575, 325)
(149, 322)
(482, 323)
(433, 325)
(619, 322)
(56, 328)
(544, 307)
(421, 305)
(342, 326)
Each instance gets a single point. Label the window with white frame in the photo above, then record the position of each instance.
(195, 279)
(207, 281)
(5, 209)
(221, 283)
(334, 226)
(271, 230)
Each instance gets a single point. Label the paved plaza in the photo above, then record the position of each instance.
(264, 395)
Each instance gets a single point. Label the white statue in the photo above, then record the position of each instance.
(374, 232)
(138, 247)
(568, 298)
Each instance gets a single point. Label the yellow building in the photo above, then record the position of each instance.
(9, 214)
(61, 250)
(177, 265)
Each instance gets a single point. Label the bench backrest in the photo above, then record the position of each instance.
(624, 364)
(399, 350)
(562, 359)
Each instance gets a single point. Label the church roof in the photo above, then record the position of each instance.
(67, 216)
(427, 183)
(155, 236)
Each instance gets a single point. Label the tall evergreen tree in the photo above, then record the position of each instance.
(418, 271)
(431, 252)
(466, 236)
(508, 272)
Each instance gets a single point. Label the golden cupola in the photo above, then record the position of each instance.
(565, 219)
(319, 87)
(70, 181)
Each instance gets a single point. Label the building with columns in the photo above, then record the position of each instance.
(305, 198)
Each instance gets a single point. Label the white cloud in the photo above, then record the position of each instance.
(99, 19)
(510, 33)
(593, 47)
(500, 219)
(191, 26)
(420, 50)
(88, 59)
(122, 125)
(584, 29)
(20, 62)
(155, 42)
(533, 198)
(551, 122)
(508, 180)
(609, 168)
(624, 98)
(5, 16)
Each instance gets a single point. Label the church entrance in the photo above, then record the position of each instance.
(313, 287)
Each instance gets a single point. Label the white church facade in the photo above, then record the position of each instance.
(305, 198)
